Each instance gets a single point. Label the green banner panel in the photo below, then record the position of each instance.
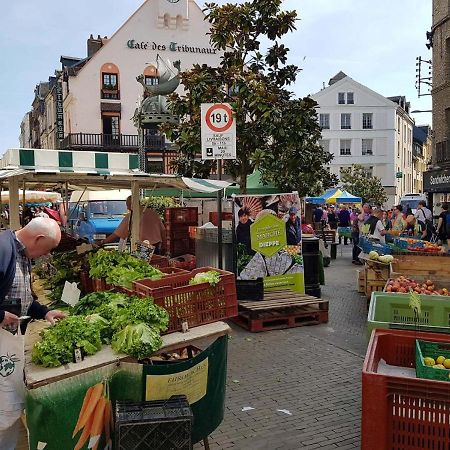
(133, 162)
(101, 161)
(26, 158)
(65, 159)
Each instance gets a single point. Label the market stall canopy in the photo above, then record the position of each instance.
(254, 186)
(32, 196)
(91, 170)
(324, 198)
(346, 197)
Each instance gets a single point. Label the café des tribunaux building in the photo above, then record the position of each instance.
(91, 101)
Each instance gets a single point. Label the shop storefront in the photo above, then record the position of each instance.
(436, 184)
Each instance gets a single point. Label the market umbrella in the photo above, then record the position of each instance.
(346, 197)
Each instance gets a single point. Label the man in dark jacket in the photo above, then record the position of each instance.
(36, 239)
(293, 228)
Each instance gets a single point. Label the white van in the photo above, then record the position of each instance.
(96, 214)
(412, 201)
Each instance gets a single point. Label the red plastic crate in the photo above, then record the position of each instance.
(159, 261)
(185, 216)
(196, 304)
(187, 262)
(180, 246)
(174, 232)
(401, 413)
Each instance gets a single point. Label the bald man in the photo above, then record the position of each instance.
(36, 239)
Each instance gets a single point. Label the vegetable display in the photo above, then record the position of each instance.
(61, 340)
(120, 269)
(131, 324)
(212, 277)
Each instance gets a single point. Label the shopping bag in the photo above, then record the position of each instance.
(12, 387)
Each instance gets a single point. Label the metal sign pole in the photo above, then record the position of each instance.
(219, 213)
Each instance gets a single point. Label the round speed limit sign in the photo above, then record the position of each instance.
(219, 118)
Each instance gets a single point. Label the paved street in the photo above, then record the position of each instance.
(312, 374)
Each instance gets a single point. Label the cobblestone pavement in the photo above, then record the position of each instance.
(304, 383)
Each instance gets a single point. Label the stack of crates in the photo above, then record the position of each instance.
(155, 425)
(361, 281)
(375, 279)
(177, 223)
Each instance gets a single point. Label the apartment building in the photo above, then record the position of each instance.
(360, 126)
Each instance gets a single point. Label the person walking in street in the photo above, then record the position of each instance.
(332, 218)
(355, 237)
(443, 226)
(317, 218)
(423, 213)
(344, 220)
(398, 220)
(376, 228)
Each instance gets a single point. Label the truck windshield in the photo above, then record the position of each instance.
(108, 208)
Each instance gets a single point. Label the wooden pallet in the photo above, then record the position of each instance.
(281, 309)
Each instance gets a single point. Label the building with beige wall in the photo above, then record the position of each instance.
(100, 92)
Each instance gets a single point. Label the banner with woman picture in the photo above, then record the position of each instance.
(268, 240)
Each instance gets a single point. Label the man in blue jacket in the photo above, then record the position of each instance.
(17, 249)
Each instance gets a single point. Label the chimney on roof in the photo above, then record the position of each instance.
(93, 45)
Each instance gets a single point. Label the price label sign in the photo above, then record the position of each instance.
(218, 131)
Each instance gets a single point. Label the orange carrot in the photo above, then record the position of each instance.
(97, 424)
(106, 419)
(90, 407)
(85, 434)
(82, 410)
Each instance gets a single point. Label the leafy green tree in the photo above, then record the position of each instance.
(359, 182)
(275, 132)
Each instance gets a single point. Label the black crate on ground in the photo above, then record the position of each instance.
(155, 425)
(250, 289)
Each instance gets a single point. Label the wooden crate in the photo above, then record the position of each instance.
(377, 274)
(429, 266)
(361, 281)
(374, 286)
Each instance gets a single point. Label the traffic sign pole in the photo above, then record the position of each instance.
(219, 213)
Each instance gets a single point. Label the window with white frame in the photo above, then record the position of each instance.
(367, 121)
(324, 121)
(345, 147)
(346, 121)
(341, 98)
(350, 98)
(367, 146)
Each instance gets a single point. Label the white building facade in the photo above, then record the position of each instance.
(360, 126)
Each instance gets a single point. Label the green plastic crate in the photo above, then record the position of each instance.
(433, 350)
(391, 311)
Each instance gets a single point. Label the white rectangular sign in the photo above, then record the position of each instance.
(218, 131)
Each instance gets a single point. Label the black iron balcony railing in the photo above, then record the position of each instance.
(112, 142)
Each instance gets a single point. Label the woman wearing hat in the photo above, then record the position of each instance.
(293, 227)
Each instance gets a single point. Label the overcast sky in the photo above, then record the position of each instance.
(374, 42)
